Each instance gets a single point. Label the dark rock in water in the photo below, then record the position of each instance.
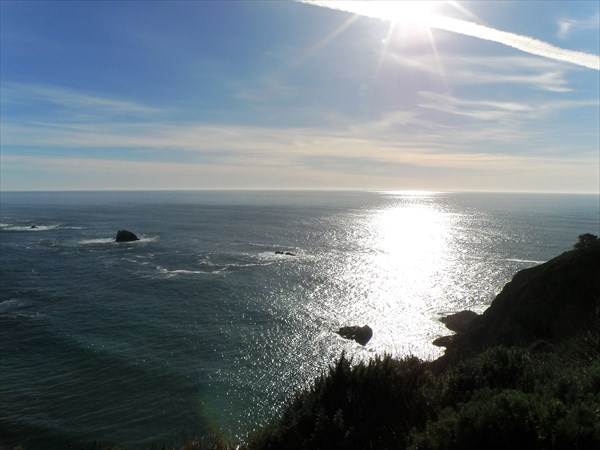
(459, 321)
(362, 335)
(33, 226)
(279, 252)
(290, 254)
(444, 341)
(126, 236)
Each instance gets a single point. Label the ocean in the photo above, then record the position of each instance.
(201, 326)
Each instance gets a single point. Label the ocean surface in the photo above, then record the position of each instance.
(201, 326)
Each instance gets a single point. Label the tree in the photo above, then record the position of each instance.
(587, 240)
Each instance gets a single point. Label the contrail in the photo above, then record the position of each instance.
(520, 42)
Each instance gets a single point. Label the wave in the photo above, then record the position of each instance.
(16, 308)
(111, 240)
(10, 304)
(211, 268)
(171, 273)
(253, 244)
(245, 260)
(524, 261)
(32, 228)
(98, 241)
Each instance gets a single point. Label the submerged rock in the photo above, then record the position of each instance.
(279, 252)
(362, 335)
(126, 236)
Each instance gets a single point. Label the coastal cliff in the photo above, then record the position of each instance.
(552, 303)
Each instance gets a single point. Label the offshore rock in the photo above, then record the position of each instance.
(362, 335)
(126, 236)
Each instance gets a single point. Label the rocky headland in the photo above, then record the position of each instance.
(552, 303)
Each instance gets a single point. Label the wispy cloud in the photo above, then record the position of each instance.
(72, 100)
(441, 172)
(539, 74)
(524, 43)
(478, 109)
(566, 26)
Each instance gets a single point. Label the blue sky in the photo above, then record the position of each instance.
(288, 95)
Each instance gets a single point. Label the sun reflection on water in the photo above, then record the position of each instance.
(399, 277)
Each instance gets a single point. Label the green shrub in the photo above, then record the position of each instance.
(495, 368)
(361, 406)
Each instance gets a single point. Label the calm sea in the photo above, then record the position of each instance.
(200, 325)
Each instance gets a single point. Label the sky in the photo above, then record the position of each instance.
(439, 96)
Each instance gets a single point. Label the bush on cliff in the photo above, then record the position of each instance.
(355, 406)
(502, 398)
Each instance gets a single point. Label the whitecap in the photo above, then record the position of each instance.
(528, 261)
(97, 241)
(111, 240)
(171, 273)
(17, 307)
(272, 256)
(258, 244)
(10, 305)
(32, 228)
(144, 239)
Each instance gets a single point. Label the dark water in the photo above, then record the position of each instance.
(200, 325)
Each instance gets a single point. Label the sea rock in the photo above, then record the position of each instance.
(126, 236)
(279, 252)
(33, 226)
(459, 321)
(362, 335)
(444, 341)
